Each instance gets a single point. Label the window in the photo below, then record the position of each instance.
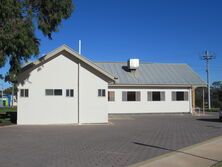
(69, 92)
(53, 92)
(179, 96)
(155, 96)
(131, 96)
(58, 92)
(111, 96)
(24, 93)
(101, 92)
(49, 92)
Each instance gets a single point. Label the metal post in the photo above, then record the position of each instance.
(2, 94)
(80, 47)
(12, 94)
(78, 119)
(208, 84)
(203, 101)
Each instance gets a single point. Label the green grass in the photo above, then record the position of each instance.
(6, 119)
(8, 109)
(213, 110)
(219, 164)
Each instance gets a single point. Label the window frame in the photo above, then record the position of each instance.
(180, 96)
(69, 92)
(125, 96)
(52, 91)
(162, 96)
(111, 96)
(24, 93)
(55, 91)
(101, 92)
(175, 95)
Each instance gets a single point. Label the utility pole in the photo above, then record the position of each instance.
(207, 56)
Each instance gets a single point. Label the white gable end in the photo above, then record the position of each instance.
(65, 74)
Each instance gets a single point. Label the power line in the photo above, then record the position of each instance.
(207, 56)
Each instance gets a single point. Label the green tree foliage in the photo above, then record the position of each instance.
(216, 91)
(217, 85)
(199, 97)
(18, 21)
(1, 77)
(9, 91)
(216, 95)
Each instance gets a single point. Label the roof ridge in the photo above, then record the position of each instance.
(142, 63)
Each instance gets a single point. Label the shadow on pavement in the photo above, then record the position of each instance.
(209, 119)
(168, 149)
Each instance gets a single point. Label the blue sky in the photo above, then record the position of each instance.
(163, 31)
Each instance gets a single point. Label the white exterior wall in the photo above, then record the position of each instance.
(59, 73)
(62, 73)
(144, 106)
(93, 109)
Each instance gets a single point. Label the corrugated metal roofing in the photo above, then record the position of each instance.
(153, 74)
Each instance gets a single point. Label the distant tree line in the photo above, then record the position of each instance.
(216, 95)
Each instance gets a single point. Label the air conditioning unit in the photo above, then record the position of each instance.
(133, 64)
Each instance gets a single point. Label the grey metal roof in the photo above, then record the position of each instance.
(153, 74)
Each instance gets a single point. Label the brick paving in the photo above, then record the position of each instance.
(124, 142)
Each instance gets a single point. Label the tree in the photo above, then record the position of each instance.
(1, 77)
(8, 91)
(18, 21)
(217, 85)
(216, 95)
(216, 90)
(199, 96)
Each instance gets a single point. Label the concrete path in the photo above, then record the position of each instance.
(204, 154)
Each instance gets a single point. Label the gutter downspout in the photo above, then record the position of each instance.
(191, 100)
(79, 66)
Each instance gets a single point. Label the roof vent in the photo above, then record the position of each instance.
(133, 64)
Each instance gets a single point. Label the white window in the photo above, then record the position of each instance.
(155, 96)
(130, 96)
(24, 93)
(53, 92)
(69, 93)
(101, 92)
(179, 96)
(111, 96)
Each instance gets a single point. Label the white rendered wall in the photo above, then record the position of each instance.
(59, 73)
(93, 109)
(144, 106)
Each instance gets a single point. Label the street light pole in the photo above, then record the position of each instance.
(207, 56)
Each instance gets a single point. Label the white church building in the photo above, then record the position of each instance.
(64, 87)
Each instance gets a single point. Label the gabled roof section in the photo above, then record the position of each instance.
(148, 74)
(153, 74)
(72, 52)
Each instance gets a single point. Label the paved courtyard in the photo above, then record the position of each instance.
(127, 140)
